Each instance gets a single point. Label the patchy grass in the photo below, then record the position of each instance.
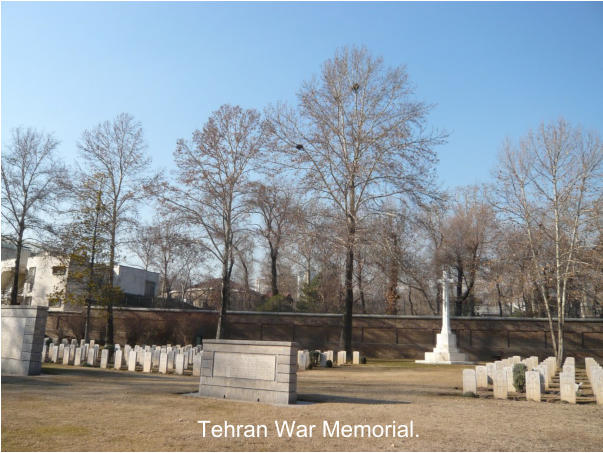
(88, 409)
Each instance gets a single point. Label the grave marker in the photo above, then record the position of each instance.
(469, 383)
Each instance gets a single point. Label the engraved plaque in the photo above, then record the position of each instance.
(245, 366)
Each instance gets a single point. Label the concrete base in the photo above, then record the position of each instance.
(22, 339)
(445, 352)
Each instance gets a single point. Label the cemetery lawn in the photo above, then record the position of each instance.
(83, 409)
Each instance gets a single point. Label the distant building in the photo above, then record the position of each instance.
(46, 279)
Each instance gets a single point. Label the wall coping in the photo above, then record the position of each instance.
(326, 315)
(251, 342)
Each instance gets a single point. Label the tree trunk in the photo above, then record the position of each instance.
(14, 294)
(273, 271)
(109, 332)
(458, 304)
(349, 289)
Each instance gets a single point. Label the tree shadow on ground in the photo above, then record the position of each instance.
(324, 398)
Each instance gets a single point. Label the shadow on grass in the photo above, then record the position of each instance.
(323, 398)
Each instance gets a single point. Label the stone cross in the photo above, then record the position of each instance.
(445, 280)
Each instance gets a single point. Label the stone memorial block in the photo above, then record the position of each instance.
(77, 360)
(163, 359)
(534, 386)
(74, 342)
(329, 356)
(498, 365)
(85, 352)
(92, 343)
(533, 362)
(567, 386)
(469, 382)
(262, 371)
(147, 348)
(104, 358)
(341, 357)
(61, 351)
(509, 372)
(54, 357)
(44, 352)
(515, 359)
(148, 360)
(117, 359)
(72, 349)
(179, 364)
(481, 377)
(490, 369)
(140, 356)
(82, 343)
(355, 357)
(185, 365)
(132, 361)
(197, 364)
(500, 384)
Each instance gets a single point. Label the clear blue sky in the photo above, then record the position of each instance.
(493, 69)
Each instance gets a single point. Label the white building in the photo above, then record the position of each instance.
(47, 278)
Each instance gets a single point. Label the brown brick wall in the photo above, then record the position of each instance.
(373, 335)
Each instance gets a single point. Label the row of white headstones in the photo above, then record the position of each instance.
(163, 359)
(304, 360)
(538, 378)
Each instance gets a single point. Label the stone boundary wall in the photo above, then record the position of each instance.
(22, 339)
(483, 338)
(262, 371)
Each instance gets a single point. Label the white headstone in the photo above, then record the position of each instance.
(490, 368)
(509, 373)
(180, 364)
(469, 382)
(148, 357)
(117, 359)
(567, 387)
(197, 364)
(481, 376)
(132, 361)
(163, 359)
(77, 360)
(355, 357)
(534, 382)
(341, 357)
(104, 358)
(170, 361)
(500, 384)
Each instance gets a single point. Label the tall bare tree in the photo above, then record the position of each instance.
(274, 205)
(548, 184)
(116, 151)
(31, 179)
(213, 172)
(358, 137)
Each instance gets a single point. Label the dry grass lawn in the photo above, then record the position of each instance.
(83, 409)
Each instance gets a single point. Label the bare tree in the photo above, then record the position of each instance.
(31, 178)
(275, 207)
(467, 232)
(547, 185)
(115, 150)
(213, 172)
(358, 137)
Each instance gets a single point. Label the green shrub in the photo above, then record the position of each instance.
(329, 364)
(519, 377)
(363, 360)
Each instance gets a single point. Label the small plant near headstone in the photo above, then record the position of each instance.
(519, 377)
(329, 364)
(363, 360)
